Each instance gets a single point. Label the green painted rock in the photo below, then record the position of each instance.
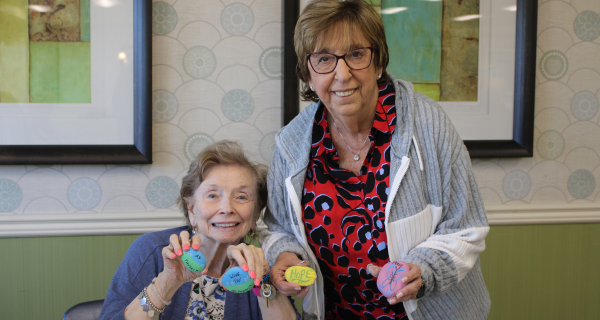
(304, 276)
(194, 260)
(237, 280)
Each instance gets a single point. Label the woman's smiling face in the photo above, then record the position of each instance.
(345, 92)
(224, 205)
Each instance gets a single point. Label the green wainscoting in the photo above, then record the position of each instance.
(40, 278)
(532, 272)
(543, 271)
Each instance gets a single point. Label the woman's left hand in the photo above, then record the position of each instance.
(412, 278)
(250, 258)
(278, 307)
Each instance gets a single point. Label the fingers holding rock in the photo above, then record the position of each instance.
(250, 257)
(407, 293)
(168, 252)
(413, 274)
(236, 257)
(302, 293)
(284, 261)
(196, 242)
(174, 242)
(184, 237)
(374, 270)
(286, 288)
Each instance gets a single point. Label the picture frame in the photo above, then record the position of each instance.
(521, 144)
(137, 152)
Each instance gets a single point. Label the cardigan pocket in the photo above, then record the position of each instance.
(405, 234)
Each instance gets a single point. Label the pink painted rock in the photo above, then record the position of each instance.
(388, 281)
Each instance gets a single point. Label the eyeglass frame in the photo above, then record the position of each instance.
(337, 58)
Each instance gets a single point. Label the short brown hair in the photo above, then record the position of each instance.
(222, 153)
(352, 16)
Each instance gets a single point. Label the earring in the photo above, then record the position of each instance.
(312, 88)
(195, 230)
(250, 235)
(379, 76)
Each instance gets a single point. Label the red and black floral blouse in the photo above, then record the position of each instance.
(344, 214)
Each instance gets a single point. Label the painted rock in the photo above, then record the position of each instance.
(303, 276)
(194, 260)
(237, 280)
(389, 277)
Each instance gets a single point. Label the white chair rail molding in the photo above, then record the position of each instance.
(43, 225)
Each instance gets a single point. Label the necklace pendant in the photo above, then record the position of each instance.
(356, 157)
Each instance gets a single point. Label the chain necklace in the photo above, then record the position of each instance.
(356, 157)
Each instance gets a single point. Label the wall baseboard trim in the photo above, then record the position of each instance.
(84, 224)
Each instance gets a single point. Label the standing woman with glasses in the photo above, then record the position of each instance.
(371, 172)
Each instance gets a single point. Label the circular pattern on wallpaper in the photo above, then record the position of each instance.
(164, 105)
(164, 18)
(551, 144)
(237, 19)
(270, 62)
(10, 195)
(587, 26)
(553, 65)
(196, 143)
(237, 105)
(199, 62)
(581, 184)
(84, 193)
(267, 146)
(584, 105)
(162, 192)
(516, 184)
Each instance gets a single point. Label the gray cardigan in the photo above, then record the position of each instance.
(436, 219)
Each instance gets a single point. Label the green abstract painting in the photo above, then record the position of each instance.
(45, 51)
(435, 45)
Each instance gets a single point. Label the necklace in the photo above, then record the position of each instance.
(356, 157)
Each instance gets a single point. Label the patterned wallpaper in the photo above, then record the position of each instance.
(566, 163)
(217, 75)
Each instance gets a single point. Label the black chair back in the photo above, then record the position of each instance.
(89, 310)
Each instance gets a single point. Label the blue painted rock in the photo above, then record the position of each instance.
(304, 276)
(237, 280)
(194, 260)
(389, 277)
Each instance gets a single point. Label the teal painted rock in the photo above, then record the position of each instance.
(237, 280)
(304, 276)
(194, 260)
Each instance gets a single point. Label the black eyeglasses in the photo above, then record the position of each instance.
(356, 59)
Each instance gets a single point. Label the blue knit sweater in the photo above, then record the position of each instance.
(142, 262)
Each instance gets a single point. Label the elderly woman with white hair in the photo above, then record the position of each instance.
(221, 197)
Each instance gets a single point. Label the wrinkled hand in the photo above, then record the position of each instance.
(412, 278)
(250, 258)
(284, 261)
(174, 270)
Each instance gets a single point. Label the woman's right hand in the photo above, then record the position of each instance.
(173, 276)
(284, 261)
(175, 272)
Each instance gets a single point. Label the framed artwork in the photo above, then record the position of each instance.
(475, 57)
(75, 82)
